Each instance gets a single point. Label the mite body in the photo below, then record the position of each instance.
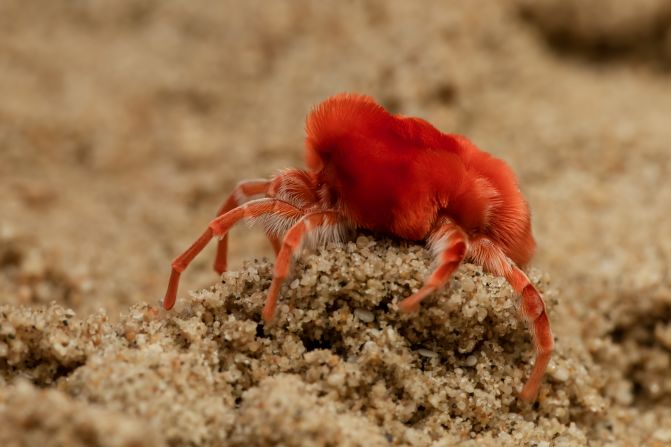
(369, 169)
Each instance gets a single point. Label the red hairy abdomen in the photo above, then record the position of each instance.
(395, 174)
(491, 196)
(389, 173)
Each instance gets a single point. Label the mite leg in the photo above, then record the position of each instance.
(449, 244)
(533, 311)
(276, 243)
(241, 194)
(220, 226)
(292, 241)
(485, 252)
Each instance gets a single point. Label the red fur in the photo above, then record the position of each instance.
(397, 175)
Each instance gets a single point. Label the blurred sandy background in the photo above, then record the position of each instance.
(125, 123)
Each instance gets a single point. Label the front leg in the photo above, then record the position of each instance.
(220, 227)
(292, 241)
(243, 192)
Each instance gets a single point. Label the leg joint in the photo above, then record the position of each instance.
(532, 303)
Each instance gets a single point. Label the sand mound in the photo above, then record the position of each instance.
(339, 366)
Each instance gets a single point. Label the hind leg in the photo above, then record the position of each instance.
(491, 257)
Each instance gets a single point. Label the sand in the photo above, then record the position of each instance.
(125, 124)
(339, 366)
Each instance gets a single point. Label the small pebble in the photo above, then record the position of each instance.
(561, 374)
(467, 284)
(364, 315)
(427, 353)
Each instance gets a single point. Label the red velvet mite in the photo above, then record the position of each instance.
(396, 175)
